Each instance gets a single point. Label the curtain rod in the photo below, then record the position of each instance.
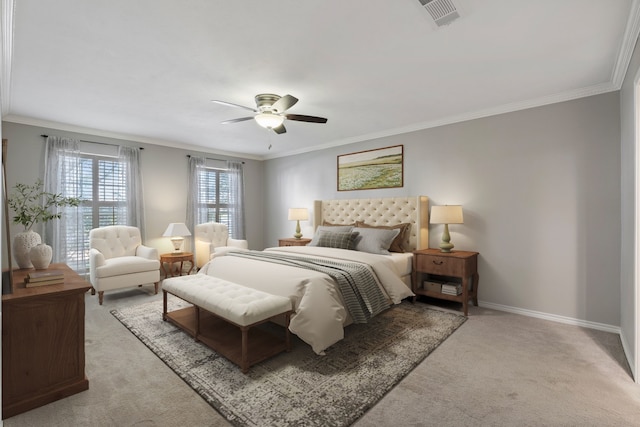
(95, 142)
(211, 158)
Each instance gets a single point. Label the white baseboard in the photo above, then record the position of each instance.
(553, 317)
(627, 352)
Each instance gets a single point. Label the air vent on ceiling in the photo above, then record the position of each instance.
(443, 12)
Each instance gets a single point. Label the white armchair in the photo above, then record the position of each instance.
(117, 259)
(212, 238)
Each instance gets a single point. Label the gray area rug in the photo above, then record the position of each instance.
(300, 388)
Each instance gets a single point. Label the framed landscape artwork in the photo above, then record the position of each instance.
(365, 170)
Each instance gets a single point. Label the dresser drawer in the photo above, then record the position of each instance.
(440, 265)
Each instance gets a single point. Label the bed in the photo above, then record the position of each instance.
(321, 298)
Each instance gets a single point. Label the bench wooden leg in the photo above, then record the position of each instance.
(287, 333)
(245, 350)
(100, 297)
(196, 334)
(164, 306)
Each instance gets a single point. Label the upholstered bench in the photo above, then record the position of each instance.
(220, 308)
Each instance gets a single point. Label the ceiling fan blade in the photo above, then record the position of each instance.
(303, 118)
(284, 103)
(241, 119)
(231, 104)
(280, 129)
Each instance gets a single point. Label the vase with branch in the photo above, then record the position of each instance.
(32, 205)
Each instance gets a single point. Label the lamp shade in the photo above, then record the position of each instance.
(176, 229)
(269, 120)
(300, 214)
(448, 214)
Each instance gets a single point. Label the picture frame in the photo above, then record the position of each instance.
(371, 169)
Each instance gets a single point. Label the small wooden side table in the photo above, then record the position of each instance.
(460, 264)
(175, 257)
(292, 241)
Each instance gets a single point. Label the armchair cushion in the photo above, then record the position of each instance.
(127, 265)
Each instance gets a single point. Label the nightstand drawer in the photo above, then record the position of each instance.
(440, 265)
(293, 242)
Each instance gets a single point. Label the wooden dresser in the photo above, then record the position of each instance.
(42, 342)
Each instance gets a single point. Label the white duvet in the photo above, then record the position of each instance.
(320, 315)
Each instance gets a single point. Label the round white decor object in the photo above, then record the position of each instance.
(41, 255)
(22, 244)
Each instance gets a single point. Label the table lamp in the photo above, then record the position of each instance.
(446, 215)
(298, 214)
(177, 231)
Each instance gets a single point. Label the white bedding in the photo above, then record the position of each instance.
(320, 315)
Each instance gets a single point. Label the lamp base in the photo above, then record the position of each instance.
(446, 245)
(298, 234)
(177, 244)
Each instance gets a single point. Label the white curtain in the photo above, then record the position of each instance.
(196, 213)
(236, 199)
(130, 157)
(63, 175)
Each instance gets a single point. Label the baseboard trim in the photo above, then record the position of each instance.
(626, 348)
(552, 317)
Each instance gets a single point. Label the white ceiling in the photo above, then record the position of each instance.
(147, 69)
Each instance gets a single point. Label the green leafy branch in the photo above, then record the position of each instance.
(32, 205)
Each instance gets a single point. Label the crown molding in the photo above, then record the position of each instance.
(627, 46)
(472, 115)
(124, 137)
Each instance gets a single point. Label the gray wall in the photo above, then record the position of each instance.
(540, 190)
(628, 320)
(165, 178)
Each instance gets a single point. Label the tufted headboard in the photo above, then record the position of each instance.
(384, 211)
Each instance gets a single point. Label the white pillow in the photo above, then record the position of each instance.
(332, 228)
(375, 240)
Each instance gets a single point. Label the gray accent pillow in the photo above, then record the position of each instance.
(398, 243)
(333, 229)
(375, 240)
(339, 240)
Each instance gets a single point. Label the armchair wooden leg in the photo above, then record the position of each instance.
(156, 286)
(100, 297)
(93, 290)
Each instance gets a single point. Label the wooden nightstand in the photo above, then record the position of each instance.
(459, 264)
(171, 258)
(291, 241)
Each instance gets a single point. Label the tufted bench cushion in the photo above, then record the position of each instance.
(218, 307)
(238, 304)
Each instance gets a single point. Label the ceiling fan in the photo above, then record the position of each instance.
(270, 111)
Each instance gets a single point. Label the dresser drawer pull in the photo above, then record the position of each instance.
(438, 262)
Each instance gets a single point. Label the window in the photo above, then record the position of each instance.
(106, 178)
(216, 194)
(215, 197)
(102, 185)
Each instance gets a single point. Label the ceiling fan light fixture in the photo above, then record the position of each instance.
(269, 120)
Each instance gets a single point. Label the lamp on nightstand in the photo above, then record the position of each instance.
(177, 231)
(446, 215)
(298, 214)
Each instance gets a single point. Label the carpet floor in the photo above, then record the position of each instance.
(300, 388)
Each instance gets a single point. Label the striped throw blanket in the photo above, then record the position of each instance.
(360, 291)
